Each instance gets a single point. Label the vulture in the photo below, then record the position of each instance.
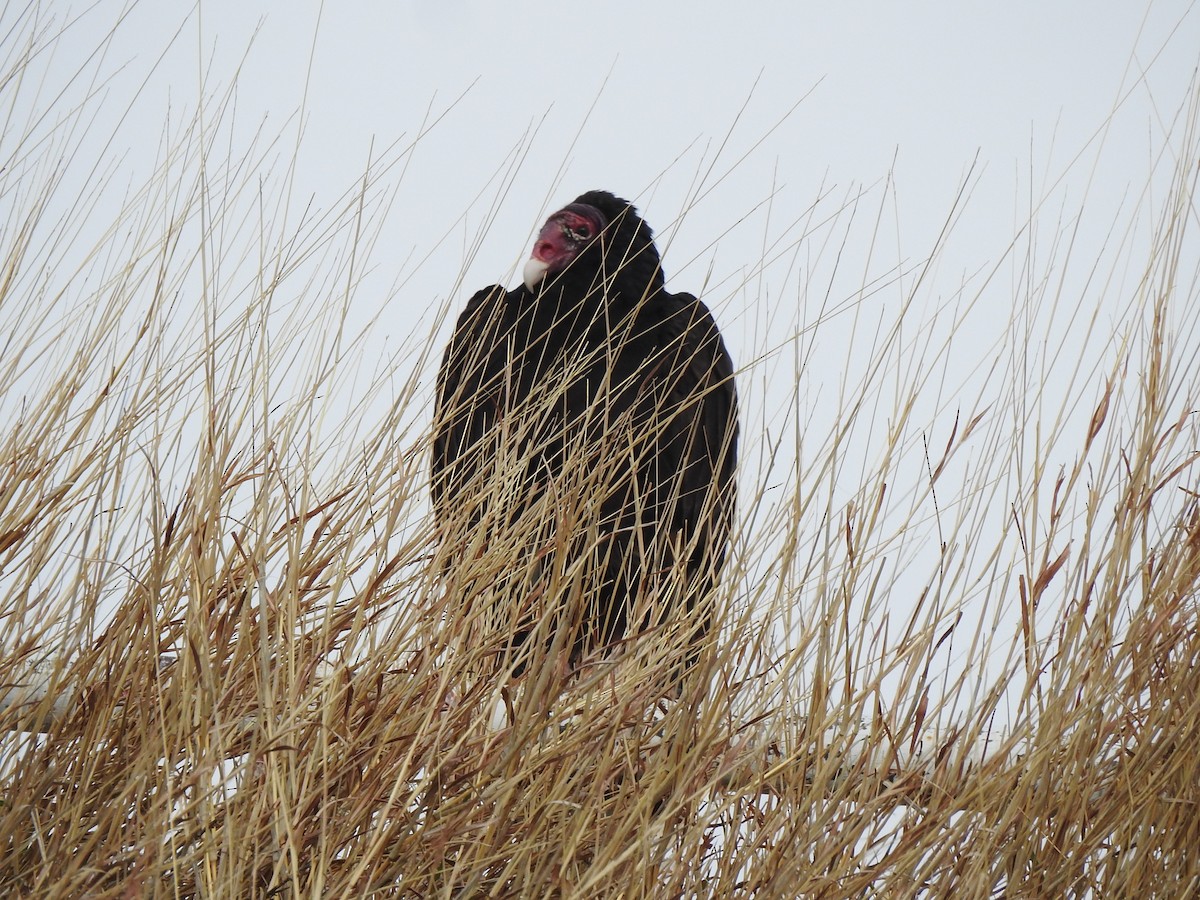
(584, 443)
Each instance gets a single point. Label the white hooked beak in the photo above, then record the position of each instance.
(534, 272)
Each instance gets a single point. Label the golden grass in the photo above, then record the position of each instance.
(252, 680)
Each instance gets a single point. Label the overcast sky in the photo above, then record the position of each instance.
(789, 154)
(659, 102)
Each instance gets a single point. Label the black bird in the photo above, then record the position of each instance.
(586, 422)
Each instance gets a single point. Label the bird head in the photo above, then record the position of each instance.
(597, 234)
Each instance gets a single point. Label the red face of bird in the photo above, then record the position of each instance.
(561, 240)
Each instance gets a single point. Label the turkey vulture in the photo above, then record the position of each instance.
(586, 422)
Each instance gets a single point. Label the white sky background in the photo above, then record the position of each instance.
(1063, 101)
(915, 89)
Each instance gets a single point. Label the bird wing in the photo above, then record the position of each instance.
(701, 431)
(467, 394)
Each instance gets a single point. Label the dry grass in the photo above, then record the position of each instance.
(254, 682)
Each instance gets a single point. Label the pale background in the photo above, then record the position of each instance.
(798, 160)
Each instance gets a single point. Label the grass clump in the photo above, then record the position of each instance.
(233, 667)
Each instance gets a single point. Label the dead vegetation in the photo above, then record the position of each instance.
(233, 667)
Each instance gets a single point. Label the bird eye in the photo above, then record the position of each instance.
(580, 232)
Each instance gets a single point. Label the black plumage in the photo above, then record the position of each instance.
(587, 423)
